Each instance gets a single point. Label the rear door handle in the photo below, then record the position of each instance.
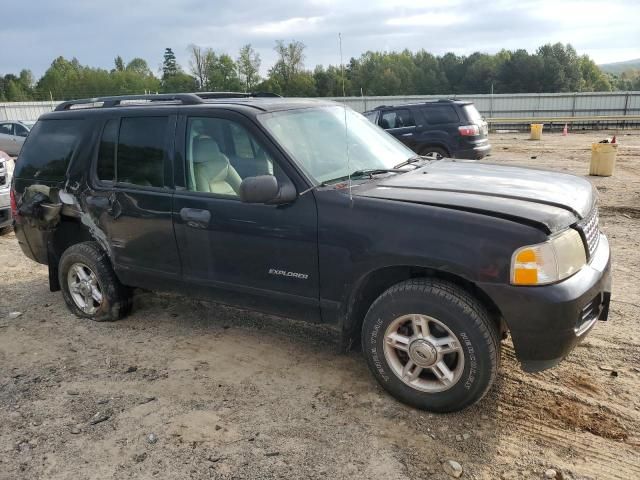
(195, 217)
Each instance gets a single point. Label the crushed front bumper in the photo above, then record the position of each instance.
(547, 322)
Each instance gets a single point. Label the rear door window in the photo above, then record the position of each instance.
(48, 149)
(133, 151)
(141, 151)
(439, 114)
(397, 119)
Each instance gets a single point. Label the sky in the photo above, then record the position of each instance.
(34, 32)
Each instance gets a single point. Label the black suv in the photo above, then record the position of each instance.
(303, 208)
(442, 128)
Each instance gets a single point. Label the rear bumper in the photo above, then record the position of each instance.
(547, 322)
(475, 153)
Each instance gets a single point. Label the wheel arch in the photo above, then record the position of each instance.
(69, 231)
(435, 144)
(374, 283)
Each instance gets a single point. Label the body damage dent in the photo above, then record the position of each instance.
(72, 208)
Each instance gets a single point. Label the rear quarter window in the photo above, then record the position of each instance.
(472, 113)
(439, 114)
(48, 149)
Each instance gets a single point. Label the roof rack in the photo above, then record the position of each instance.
(214, 95)
(185, 98)
(106, 102)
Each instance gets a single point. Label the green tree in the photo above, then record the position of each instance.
(248, 67)
(561, 68)
(139, 67)
(179, 83)
(429, 77)
(287, 76)
(119, 64)
(519, 73)
(201, 62)
(169, 65)
(593, 79)
(223, 74)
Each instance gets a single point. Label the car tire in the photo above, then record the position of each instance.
(5, 230)
(90, 286)
(435, 151)
(431, 345)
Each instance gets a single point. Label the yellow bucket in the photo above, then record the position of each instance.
(536, 131)
(603, 159)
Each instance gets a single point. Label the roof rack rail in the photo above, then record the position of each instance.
(185, 98)
(215, 95)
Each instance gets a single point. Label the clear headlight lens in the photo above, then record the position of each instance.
(554, 260)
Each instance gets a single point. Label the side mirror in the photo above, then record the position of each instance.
(265, 189)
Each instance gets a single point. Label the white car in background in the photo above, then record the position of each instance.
(6, 169)
(13, 133)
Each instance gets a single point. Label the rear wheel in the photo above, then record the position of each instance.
(89, 285)
(435, 152)
(431, 345)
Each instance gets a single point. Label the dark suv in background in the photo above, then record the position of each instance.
(442, 128)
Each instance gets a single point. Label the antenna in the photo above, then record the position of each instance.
(344, 106)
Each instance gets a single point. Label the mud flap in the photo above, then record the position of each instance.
(53, 261)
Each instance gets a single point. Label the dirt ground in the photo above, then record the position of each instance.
(189, 389)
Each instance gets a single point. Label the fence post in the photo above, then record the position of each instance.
(626, 109)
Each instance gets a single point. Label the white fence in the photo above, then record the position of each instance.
(491, 106)
(26, 111)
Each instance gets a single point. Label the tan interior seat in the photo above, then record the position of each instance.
(212, 171)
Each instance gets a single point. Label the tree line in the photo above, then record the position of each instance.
(551, 68)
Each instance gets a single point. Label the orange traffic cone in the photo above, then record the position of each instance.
(565, 131)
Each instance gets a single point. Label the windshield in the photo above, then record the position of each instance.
(318, 140)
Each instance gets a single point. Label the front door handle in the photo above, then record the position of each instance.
(195, 217)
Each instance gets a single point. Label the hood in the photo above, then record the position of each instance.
(548, 200)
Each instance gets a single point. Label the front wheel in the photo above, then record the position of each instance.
(431, 345)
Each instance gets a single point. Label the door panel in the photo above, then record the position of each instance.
(132, 198)
(140, 230)
(254, 255)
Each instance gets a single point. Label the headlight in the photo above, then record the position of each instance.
(554, 260)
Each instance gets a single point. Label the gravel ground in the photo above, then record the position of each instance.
(189, 389)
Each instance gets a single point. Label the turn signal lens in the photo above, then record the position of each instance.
(554, 260)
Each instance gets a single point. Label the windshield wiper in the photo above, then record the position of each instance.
(375, 171)
(411, 160)
(370, 172)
